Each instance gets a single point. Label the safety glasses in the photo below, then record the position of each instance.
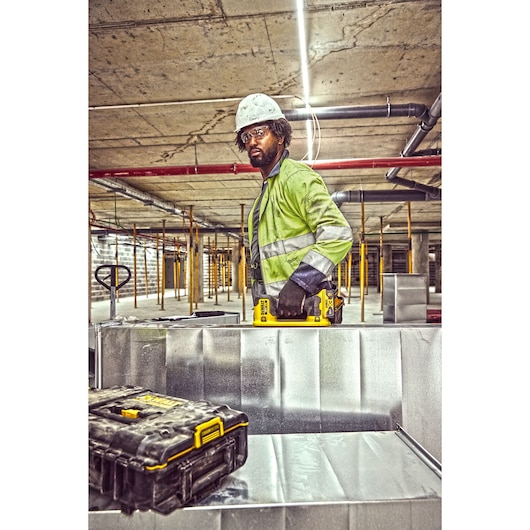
(256, 132)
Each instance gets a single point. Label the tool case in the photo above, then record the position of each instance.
(158, 452)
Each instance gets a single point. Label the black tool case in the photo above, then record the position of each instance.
(158, 452)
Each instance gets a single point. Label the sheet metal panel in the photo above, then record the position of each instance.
(262, 483)
(261, 380)
(381, 515)
(404, 297)
(350, 480)
(381, 378)
(185, 363)
(340, 380)
(391, 515)
(300, 379)
(422, 386)
(113, 358)
(253, 519)
(221, 351)
(304, 470)
(318, 516)
(343, 378)
(148, 357)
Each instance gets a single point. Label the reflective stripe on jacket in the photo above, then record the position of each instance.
(302, 234)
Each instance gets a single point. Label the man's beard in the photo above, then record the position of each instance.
(265, 160)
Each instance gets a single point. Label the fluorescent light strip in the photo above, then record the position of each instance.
(305, 73)
(169, 103)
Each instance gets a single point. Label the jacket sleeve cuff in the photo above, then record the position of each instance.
(308, 278)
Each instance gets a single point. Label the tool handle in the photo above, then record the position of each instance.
(112, 275)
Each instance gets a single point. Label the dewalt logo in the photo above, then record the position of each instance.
(264, 306)
(159, 401)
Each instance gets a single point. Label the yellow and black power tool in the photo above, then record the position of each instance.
(321, 309)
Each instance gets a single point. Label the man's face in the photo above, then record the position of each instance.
(262, 145)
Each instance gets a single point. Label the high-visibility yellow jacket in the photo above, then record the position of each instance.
(302, 234)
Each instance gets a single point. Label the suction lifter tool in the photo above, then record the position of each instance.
(322, 309)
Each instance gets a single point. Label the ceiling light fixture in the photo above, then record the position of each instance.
(172, 103)
(305, 73)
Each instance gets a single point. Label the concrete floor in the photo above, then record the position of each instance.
(151, 306)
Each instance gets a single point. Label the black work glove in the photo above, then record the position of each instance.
(291, 300)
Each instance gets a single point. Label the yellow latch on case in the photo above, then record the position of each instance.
(130, 413)
(208, 431)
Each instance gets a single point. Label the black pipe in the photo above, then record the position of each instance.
(431, 191)
(435, 151)
(409, 110)
(340, 197)
(429, 119)
(432, 116)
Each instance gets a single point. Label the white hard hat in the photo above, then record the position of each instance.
(256, 108)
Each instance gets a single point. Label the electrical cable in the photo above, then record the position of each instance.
(315, 129)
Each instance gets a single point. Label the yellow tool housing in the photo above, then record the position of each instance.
(322, 309)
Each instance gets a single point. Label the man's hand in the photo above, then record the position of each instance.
(291, 300)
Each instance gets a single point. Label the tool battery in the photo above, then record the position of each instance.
(153, 451)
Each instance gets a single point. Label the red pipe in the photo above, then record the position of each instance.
(216, 169)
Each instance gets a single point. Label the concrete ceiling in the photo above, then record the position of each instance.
(165, 79)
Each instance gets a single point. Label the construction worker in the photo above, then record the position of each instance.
(297, 233)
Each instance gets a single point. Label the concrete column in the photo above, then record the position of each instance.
(438, 277)
(387, 258)
(420, 252)
(235, 268)
(420, 256)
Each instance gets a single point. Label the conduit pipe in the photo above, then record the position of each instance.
(223, 169)
(408, 110)
(431, 118)
(340, 197)
(105, 230)
(147, 199)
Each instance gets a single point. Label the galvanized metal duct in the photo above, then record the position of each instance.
(101, 229)
(327, 480)
(334, 379)
(340, 197)
(150, 200)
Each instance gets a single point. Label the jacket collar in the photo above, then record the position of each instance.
(276, 169)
